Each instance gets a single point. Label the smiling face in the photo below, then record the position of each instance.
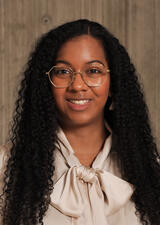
(80, 104)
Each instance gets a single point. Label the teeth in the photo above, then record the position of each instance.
(79, 102)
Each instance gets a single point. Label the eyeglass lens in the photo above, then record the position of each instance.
(62, 76)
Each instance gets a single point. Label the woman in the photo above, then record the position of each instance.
(81, 150)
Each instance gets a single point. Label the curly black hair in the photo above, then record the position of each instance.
(28, 176)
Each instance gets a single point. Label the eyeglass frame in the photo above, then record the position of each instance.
(73, 77)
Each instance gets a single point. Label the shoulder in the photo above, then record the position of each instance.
(4, 155)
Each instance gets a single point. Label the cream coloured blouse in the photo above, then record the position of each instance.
(83, 195)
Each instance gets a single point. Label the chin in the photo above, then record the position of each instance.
(79, 120)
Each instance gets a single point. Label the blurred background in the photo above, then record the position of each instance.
(134, 22)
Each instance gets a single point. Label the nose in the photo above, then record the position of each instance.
(78, 83)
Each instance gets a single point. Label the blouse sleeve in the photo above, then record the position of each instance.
(4, 155)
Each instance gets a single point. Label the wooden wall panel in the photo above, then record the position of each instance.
(143, 30)
(134, 22)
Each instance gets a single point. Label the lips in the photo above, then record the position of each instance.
(78, 104)
(79, 101)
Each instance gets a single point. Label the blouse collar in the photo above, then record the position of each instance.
(67, 151)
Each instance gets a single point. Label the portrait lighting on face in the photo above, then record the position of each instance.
(80, 81)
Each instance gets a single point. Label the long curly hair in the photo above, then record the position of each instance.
(28, 177)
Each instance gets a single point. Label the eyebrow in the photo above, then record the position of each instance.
(95, 61)
(67, 63)
(63, 61)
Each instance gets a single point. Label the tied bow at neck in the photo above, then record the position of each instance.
(80, 188)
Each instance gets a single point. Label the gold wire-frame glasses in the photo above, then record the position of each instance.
(92, 75)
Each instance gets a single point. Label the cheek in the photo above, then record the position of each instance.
(103, 91)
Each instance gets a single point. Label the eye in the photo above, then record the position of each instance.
(94, 71)
(61, 71)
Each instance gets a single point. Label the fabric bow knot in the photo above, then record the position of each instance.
(87, 175)
(106, 192)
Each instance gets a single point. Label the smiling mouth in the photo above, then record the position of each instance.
(79, 102)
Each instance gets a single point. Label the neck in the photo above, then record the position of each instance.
(87, 141)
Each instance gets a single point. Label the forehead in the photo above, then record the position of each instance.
(83, 48)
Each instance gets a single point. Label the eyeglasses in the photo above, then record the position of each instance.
(62, 76)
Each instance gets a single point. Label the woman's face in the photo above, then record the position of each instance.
(80, 104)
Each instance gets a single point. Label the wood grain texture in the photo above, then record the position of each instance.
(135, 23)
